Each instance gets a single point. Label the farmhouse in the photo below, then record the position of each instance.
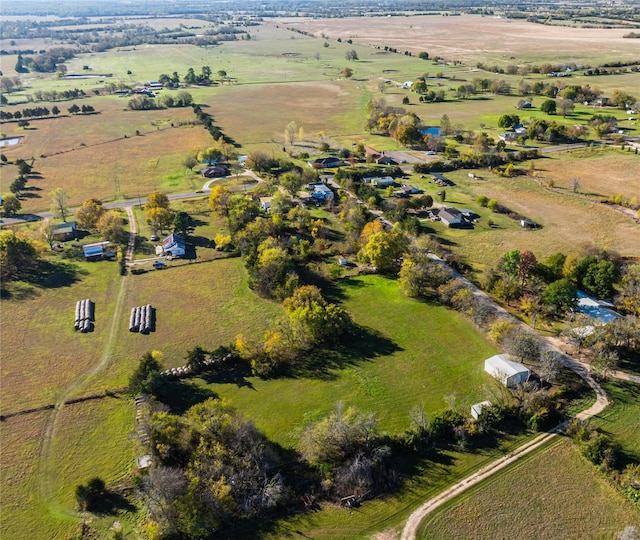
(215, 171)
(322, 192)
(326, 162)
(506, 371)
(596, 309)
(451, 217)
(65, 231)
(95, 252)
(172, 246)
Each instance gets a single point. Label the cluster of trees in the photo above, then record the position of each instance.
(45, 62)
(93, 217)
(395, 122)
(550, 287)
(18, 254)
(158, 214)
(58, 95)
(10, 84)
(163, 101)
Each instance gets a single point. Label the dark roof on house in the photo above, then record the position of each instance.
(327, 162)
(173, 240)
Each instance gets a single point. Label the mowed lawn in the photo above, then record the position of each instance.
(556, 493)
(425, 353)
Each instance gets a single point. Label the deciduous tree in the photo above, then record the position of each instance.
(89, 213)
(59, 206)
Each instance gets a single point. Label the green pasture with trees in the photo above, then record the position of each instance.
(358, 384)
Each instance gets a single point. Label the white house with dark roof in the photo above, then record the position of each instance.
(172, 246)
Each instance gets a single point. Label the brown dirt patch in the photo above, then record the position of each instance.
(602, 174)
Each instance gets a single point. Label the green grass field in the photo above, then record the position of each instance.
(410, 360)
(556, 493)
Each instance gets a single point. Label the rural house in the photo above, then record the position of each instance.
(451, 217)
(380, 181)
(265, 203)
(172, 246)
(326, 162)
(406, 190)
(65, 231)
(508, 372)
(596, 309)
(322, 193)
(215, 171)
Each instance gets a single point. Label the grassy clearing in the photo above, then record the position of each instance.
(601, 173)
(42, 352)
(21, 439)
(411, 340)
(568, 223)
(620, 420)
(570, 500)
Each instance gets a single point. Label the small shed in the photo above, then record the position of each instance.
(265, 203)
(507, 371)
(476, 408)
(94, 252)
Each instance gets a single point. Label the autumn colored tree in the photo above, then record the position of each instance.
(526, 264)
(89, 213)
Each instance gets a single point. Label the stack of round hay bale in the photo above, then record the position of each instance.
(85, 315)
(142, 319)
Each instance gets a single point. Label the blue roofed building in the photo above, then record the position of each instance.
(596, 309)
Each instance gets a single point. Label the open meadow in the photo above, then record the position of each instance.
(473, 38)
(554, 494)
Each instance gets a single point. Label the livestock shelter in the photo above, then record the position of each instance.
(507, 371)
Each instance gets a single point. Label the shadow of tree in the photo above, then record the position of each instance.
(182, 395)
(359, 345)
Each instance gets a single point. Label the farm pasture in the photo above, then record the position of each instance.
(600, 173)
(568, 223)
(554, 494)
(473, 38)
(410, 339)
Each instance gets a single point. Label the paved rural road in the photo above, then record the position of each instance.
(130, 203)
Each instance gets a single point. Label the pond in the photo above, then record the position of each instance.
(10, 142)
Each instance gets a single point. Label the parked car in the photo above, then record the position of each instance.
(154, 238)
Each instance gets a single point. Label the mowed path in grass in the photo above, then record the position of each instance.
(555, 493)
(424, 354)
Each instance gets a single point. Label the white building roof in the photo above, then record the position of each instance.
(500, 365)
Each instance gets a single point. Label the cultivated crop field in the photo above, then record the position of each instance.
(554, 494)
